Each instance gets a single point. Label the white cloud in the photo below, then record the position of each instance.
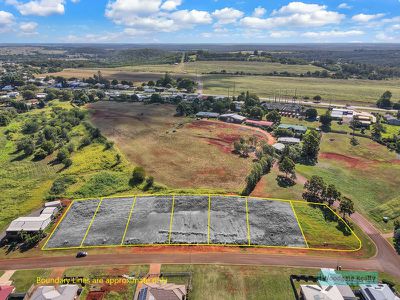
(363, 18)
(332, 34)
(6, 18)
(344, 6)
(28, 27)
(171, 4)
(153, 15)
(227, 15)
(295, 14)
(384, 37)
(259, 12)
(39, 7)
(281, 34)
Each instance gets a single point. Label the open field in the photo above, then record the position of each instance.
(200, 220)
(150, 136)
(346, 91)
(368, 174)
(24, 279)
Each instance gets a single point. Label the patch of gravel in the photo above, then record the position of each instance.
(109, 224)
(190, 222)
(228, 221)
(150, 221)
(272, 223)
(73, 227)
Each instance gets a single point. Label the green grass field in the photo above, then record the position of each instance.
(24, 279)
(323, 229)
(345, 91)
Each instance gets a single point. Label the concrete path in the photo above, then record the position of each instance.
(6, 278)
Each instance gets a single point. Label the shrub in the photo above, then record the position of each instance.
(138, 176)
(149, 183)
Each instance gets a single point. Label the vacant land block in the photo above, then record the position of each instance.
(72, 229)
(273, 223)
(190, 220)
(150, 221)
(228, 221)
(109, 225)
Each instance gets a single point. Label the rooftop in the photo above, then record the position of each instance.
(260, 123)
(158, 291)
(377, 292)
(62, 292)
(30, 223)
(315, 292)
(5, 291)
(293, 127)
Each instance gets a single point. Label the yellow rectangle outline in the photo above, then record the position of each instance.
(91, 222)
(129, 220)
(207, 244)
(248, 223)
(298, 222)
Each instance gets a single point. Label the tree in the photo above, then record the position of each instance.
(288, 167)
(314, 189)
(274, 117)
(86, 141)
(256, 112)
(396, 240)
(28, 94)
(138, 175)
(5, 119)
(385, 100)
(62, 154)
(67, 162)
(311, 142)
(326, 120)
(48, 147)
(40, 154)
(317, 98)
(331, 194)
(149, 183)
(156, 98)
(346, 207)
(29, 148)
(311, 113)
(377, 130)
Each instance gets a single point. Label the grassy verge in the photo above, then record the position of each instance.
(323, 229)
(23, 279)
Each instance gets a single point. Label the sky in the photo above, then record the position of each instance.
(199, 21)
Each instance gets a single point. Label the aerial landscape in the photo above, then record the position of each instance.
(175, 149)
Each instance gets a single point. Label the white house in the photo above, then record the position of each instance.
(312, 292)
(377, 292)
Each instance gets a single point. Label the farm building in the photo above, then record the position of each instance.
(377, 292)
(279, 147)
(285, 108)
(260, 124)
(392, 120)
(298, 129)
(339, 114)
(61, 292)
(289, 140)
(53, 204)
(207, 115)
(158, 291)
(232, 118)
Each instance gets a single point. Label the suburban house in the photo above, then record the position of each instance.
(377, 292)
(232, 118)
(331, 276)
(13, 94)
(260, 124)
(61, 292)
(392, 120)
(285, 109)
(6, 291)
(207, 115)
(8, 88)
(159, 291)
(31, 224)
(313, 292)
(340, 113)
(238, 105)
(289, 140)
(297, 129)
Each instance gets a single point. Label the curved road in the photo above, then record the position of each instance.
(386, 259)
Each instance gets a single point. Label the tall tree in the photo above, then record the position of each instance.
(385, 100)
(314, 189)
(311, 143)
(331, 194)
(288, 167)
(346, 207)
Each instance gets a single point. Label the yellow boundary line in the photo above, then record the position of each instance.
(248, 223)
(171, 219)
(203, 244)
(298, 222)
(129, 220)
(91, 222)
(209, 220)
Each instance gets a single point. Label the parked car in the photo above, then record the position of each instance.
(81, 254)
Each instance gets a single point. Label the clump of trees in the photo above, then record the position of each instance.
(138, 176)
(311, 146)
(396, 236)
(317, 191)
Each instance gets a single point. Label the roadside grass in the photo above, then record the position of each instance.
(24, 279)
(323, 229)
(181, 153)
(345, 91)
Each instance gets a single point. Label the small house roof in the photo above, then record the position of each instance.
(62, 292)
(377, 292)
(260, 123)
(289, 140)
(5, 291)
(293, 127)
(312, 292)
(30, 223)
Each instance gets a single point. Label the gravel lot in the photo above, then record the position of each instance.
(190, 223)
(150, 221)
(109, 225)
(273, 223)
(228, 221)
(73, 227)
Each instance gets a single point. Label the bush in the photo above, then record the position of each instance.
(67, 162)
(149, 183)
(138, 176)
(62, 155)
(40, 154)
(60, 185)
(86, 141)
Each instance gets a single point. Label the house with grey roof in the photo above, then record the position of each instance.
(61, 292)
(232, 118)
(298, 129)
(377, 292)
(289, 140)
(315, 292)
(162, 291)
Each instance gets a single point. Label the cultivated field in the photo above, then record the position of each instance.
(200, 220)
(178, 152)
(346, 91)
